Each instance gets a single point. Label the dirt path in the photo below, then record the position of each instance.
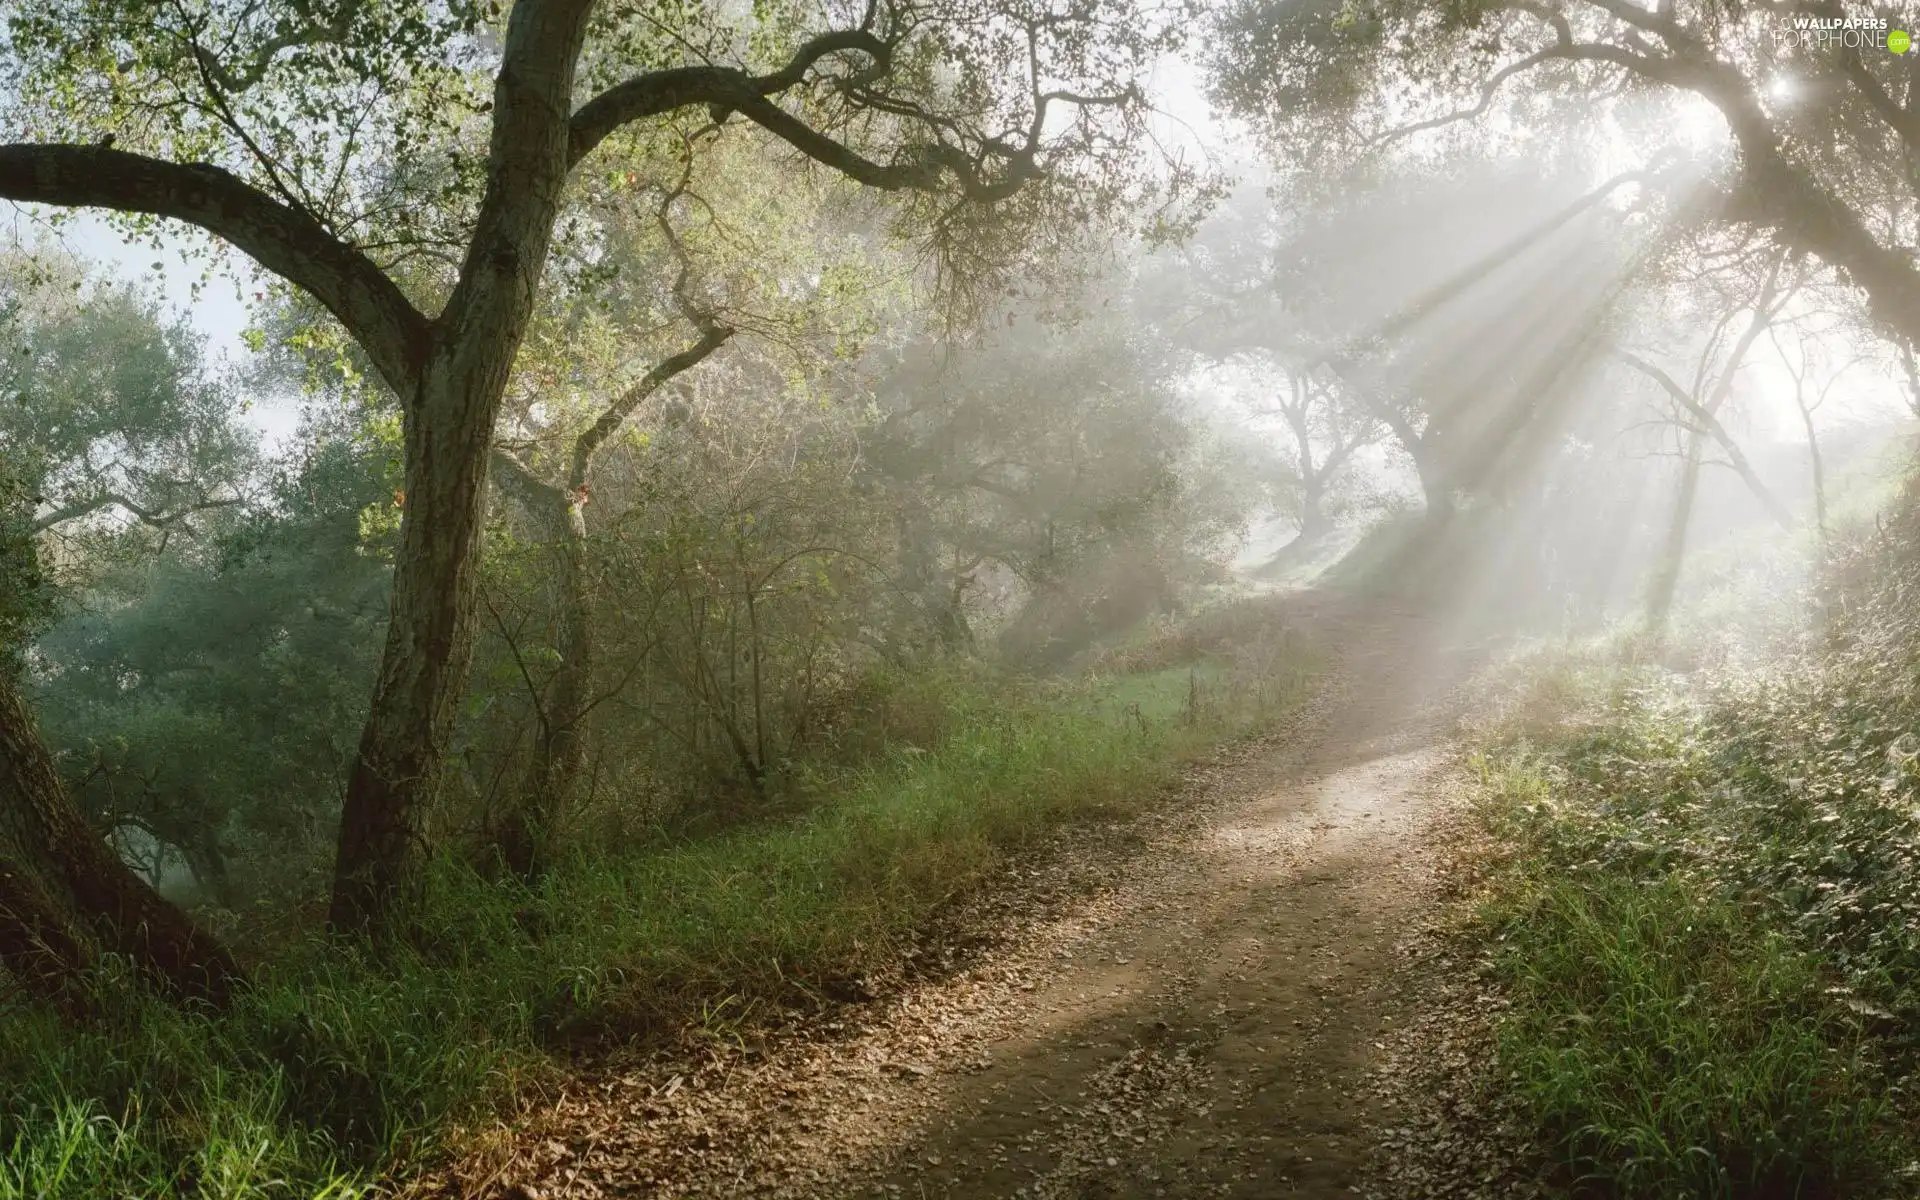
(1198, 1023)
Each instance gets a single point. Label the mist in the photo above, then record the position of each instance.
(957, 599)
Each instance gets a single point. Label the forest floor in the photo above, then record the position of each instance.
(1198, 1003)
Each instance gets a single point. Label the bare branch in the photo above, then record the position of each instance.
(713, 335)
(1487, 92)
(725, 88)
(91, 504)
(1711, 425)
(728, 90)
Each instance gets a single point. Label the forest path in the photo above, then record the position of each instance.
(1199, 1023)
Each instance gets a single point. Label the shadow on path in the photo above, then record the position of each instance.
(1200, 1026)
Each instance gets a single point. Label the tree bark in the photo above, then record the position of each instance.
(428, 654)
(65, 896)
(43, 945)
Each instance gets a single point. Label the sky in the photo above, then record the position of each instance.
(219, 312)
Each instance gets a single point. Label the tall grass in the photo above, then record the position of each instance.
(337, 1068)
(1682, 1020)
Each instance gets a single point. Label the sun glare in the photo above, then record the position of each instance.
(1698, 125)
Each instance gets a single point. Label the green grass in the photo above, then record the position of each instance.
(1670, 1046)
(334, 1071)
(1682, 1021)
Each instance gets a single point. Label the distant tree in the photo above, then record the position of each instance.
(105, 411)
(1744, 296)
(1469, 352)
(1696, 412)
(208, 695)
(1326, 432)
(1812, 361)
(1227, 295)
(1058, 452)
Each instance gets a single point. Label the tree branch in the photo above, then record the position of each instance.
(1904, 122)
(1779, 192)
(617, 412)
(1660, 22)
(725, 88)
(334, 32)
(1712, 427)
(98, 501)
(1487, 92)
(281, 238)
(511, 470)
(713, 335)
(728, 90)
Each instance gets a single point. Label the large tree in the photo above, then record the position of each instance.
(356, 151)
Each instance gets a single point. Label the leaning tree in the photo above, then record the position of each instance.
(406, 164)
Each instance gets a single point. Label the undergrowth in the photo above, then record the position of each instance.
(1703, 914)
(336, 1069)
(1670, 1030)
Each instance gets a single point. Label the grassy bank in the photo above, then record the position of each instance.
(335, 1070)
(1701, 914)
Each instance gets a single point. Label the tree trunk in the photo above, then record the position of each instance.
(1436, 481)
(462, 370)
(956, 634)
(559, 762)
(65, 895)
(938, 595)
(1315, 527)
(43, 943)
(1666, 572)
(209, 866)
(1436, 487)
(1819, 475)
(428, 654)
(1314, 523)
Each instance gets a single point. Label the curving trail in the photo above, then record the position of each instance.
(1199, 1023)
